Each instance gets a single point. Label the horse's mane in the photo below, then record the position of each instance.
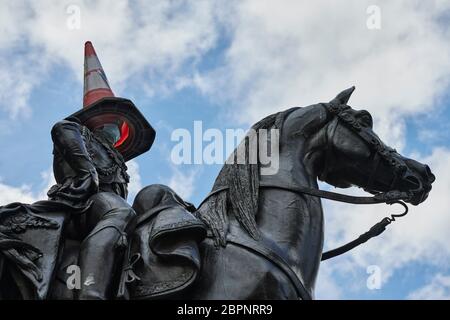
(242, 181)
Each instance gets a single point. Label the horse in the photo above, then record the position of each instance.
(265, 238)
(265, 232)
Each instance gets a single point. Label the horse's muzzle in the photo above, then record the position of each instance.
(419, 178)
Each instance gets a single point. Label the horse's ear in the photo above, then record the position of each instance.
(344, 96)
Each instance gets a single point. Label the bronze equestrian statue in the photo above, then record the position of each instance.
(253, 237)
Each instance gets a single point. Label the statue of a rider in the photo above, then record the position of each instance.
(90, 150)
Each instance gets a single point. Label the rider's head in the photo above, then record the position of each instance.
(110, 132)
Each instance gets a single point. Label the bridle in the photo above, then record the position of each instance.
(381, 152)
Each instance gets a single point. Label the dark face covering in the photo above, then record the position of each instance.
(110, 132)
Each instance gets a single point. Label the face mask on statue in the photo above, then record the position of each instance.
(110, 132)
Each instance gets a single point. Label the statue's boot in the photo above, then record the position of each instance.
(101, 252)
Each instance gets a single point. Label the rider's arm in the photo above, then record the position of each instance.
(66, 136)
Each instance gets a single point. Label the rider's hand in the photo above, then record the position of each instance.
(88, 184)
(79, 188)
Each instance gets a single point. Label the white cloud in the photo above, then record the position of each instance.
(147, 41)
(437, 289)
(135, 184)
(183, 183)
(48, 180)
(327, 287)
(420, 237)
(9, 194)
(25, 193)
(17, 81)
(298, 53)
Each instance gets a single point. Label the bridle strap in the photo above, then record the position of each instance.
(328, 152)
(377, 160)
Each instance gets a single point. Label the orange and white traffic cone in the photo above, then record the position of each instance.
(100, 107)
(96, 84)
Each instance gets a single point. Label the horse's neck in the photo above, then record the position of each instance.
(293, 222)
(291, 171)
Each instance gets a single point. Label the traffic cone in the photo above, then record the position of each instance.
(96, 85)
(100, 107)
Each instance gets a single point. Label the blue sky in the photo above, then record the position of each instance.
(229, 64)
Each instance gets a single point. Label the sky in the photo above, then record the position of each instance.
(229, 64)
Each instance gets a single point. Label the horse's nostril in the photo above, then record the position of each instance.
(413, 180)
(430, 175)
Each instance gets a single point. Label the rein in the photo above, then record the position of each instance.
(390, 197)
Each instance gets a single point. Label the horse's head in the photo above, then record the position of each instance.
(355, 155)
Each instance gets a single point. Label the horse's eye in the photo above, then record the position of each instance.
(366, 119)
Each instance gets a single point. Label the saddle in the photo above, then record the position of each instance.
(163, 257)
